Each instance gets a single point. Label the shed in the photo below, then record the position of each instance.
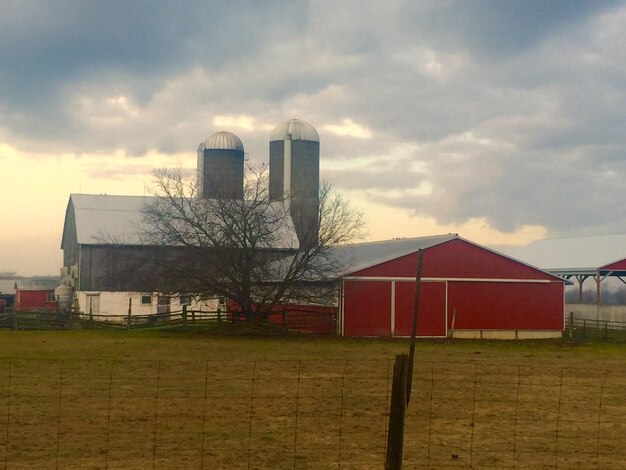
(7, 291)
(35, 293)
(467, 290)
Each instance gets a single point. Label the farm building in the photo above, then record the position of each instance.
(602, 259)
(467, 291)
(102, 234)
(7, 292)
(598, 258)
(35, 294)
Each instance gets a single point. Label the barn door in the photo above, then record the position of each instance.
(93, 304)
(366, 308)
(431, 320)
(163, 305)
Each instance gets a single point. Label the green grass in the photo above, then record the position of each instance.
(194, 399)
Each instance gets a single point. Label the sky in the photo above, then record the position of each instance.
(500, 120)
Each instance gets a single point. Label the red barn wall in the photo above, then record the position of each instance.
(488, 291)
(367, 308)
(456, 259)
(431, 320)
(25, 299)
(505, 306)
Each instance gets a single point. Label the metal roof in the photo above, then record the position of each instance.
(363, 255)
(36, 284)
(222, 140)
(582, 255)
(103, 219)
(7, 286)
(294, 129)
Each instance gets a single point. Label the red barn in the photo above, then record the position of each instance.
(467, 291)
(35, 294)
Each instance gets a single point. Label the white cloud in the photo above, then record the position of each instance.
(240, 122)
(348, 128)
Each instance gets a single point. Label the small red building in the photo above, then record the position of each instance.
(35, 294)
(467, 291)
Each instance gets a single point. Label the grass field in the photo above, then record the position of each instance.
(172, 399)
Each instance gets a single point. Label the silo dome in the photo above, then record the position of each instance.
(294, 129)
(223, 141)
(220, 166)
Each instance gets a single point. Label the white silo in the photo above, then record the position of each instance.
(295, 174)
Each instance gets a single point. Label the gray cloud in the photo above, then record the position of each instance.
(512, 111)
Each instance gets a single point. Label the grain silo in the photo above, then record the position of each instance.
(295, 174)
(220, 166)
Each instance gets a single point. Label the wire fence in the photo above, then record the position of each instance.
(230, 414)
(595, 329)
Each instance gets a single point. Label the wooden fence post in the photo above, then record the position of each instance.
(606, 330)
(14, 320)
(219, 314)
(130, 311)
(571, 324)
(397, 411)
(285, 317)
(185, 316)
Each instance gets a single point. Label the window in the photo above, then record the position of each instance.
(185, 299)
(163, 305)
(51, 297)
(146, 299)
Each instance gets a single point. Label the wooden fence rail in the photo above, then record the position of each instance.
(298, 320)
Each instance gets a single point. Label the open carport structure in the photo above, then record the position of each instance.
(466, 291)
(581, 258)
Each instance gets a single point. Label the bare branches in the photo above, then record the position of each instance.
(245, 250)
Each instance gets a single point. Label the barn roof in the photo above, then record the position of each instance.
(7, 286)
(103, 219)
(36, 284)
(582, 255)
(363, 255)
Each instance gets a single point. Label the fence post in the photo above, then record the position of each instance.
(130, 310)
(14, 320)
(219, 314)
(606, 330)
(397, 410)
(584, 327)
(185, 316)
(571, 324)
(285, 317)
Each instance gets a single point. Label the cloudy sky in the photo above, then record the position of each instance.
(502, 120)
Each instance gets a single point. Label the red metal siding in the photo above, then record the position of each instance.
(456, 259)
(617, 266)
(507, 306)
(367, 308)
(26, 299)
(431, 320)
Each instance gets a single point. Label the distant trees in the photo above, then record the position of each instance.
(608, 296)
(245, 250)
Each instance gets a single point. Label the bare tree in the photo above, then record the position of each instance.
(245, 250)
